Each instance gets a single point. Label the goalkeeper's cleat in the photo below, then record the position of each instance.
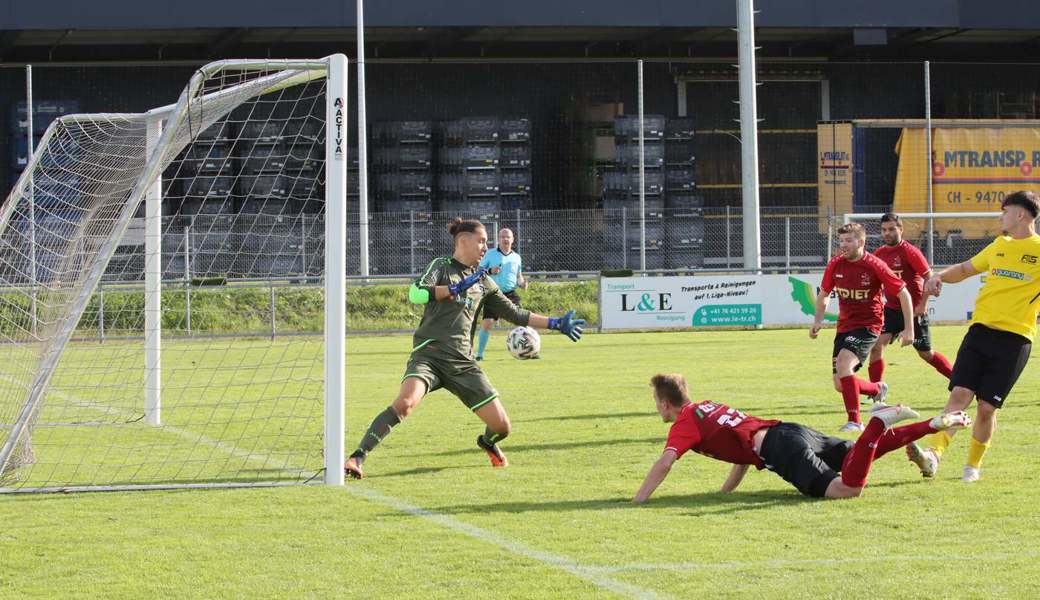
(971, 474)
(890, 415)
(925, 459)
(851, 427)
(498, 459)
(352, 468)
(954, 420)
(478, 358)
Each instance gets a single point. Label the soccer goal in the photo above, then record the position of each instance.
(253, 156)
(955, 236)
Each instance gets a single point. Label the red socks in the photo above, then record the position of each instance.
(876, 370)
(941, 364)
(897, 437)
(867, 388)
(850, 395)
(857, 462)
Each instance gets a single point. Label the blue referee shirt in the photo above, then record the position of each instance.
(510, 265)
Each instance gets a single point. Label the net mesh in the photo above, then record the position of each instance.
(244, 140)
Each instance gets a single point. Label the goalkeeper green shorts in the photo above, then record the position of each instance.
(459, 376)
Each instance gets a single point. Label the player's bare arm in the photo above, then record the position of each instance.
(736, 475)
(951, 274)
(922, 305)
(822, 299)
(657, 474)
(906, 336)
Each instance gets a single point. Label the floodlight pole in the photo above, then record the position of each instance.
(31, 149)
(748, 133)
(335, 266)
(642, 172)
(362, 140)
(928, 151)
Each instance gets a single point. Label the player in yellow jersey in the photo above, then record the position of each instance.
(996, 347)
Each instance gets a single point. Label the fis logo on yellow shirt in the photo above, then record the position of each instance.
(1029, 259)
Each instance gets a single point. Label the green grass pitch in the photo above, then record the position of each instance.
(433, 520)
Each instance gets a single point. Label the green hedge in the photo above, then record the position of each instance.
(229, 309)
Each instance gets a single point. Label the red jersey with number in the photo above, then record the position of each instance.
(717, 431)
(907, 262)
(858, 285)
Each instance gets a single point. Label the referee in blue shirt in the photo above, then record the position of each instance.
(504, 265)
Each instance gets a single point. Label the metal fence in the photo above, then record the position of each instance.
(268, 246)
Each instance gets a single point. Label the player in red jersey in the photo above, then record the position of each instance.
(858, 278)
(907, 262)
(804, 457)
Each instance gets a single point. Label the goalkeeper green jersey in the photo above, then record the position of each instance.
(447, 326)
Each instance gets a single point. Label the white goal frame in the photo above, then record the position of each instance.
(148, 187)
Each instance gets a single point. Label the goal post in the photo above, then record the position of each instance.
(252, 153)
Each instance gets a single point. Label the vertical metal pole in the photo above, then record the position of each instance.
(362, 139)
(101, 313)
(303, 244)
(411, 244)
(336, 265)
(830, 235)
(642, 172)
(516, 234)
(31, 145)
(153, 285)
(928, 151)
(728, 252)
(787, 242)
(624, 237)
(271, 305)
(187, 273)
(748, 133)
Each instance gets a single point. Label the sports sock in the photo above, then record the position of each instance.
(876, 370)
(857, 462)
(941, 364)
(867, 388)
(940, 441)
(482, 339)
(378, 430)
(897, 437)
(976, 451)
(850, 395)
(493, 438)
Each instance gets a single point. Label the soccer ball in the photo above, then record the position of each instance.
(523, 343)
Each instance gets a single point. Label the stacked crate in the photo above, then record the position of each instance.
(684, 217)
(621, 201)
(469, 182)
(402, 240)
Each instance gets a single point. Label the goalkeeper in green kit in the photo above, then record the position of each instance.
(453, 291)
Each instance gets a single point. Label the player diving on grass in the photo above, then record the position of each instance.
(802, 456)
(858, 278)
(452, 291)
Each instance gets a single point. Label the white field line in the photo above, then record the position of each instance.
(594, 575)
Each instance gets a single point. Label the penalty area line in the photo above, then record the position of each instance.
(594, 575)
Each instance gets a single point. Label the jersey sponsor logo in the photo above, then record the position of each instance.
(1008, 274)
(1028, 259)
(864, 279)
(846, 294)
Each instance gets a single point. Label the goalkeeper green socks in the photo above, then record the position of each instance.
(493, 438)
(378, 430)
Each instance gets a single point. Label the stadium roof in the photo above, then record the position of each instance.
(64, 30)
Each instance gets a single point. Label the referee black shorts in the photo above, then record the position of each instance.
(489, 313)
(804, 457)
(989, 362)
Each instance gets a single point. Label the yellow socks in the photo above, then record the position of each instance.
(940, 441)
(976, 451)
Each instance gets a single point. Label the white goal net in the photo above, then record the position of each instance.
(250, 156)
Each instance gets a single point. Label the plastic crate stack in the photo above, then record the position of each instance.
(674, 229)
(469, 182)
(44, 111)
(683, 207)
(514, 141)
(402, 240)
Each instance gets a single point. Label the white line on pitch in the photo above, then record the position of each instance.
(594, 575)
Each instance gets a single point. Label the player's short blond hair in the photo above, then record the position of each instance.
(855, 229)
(671, 387)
